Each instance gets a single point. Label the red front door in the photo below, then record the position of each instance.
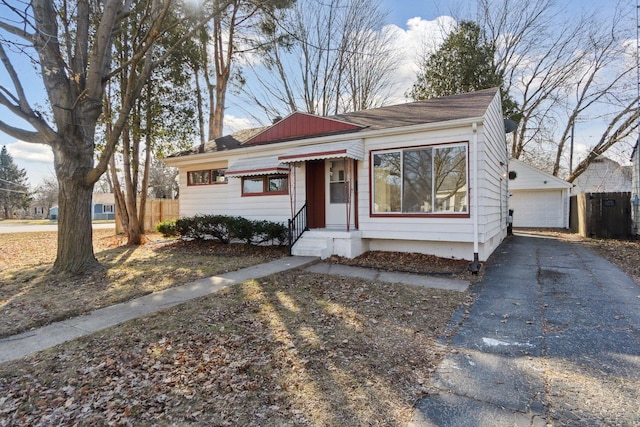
(314, 178)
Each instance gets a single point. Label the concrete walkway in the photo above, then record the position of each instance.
(552, 339)
(18, 346)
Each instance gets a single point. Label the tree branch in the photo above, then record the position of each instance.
(23, 135)
(16, 31)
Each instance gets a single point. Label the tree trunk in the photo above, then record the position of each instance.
(218, 110)
(75, 248)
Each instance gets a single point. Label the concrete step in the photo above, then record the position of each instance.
(310, 245)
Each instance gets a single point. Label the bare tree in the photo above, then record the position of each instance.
(71, 42)
(322, 58)
(213, 55)
(46, 193)
(162, 114)
(601, 81)
(560, 72)
(163, 181)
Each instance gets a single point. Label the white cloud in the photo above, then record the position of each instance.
(21, 150)
(420, 38)
(35, 159)
(233, 124)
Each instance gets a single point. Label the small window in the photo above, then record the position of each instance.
(253, 185)
(206, 177)
(337, 193)
(265, 185)
(218, 177)
(107, 208)
(198, 178)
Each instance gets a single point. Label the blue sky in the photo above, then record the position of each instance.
(38, 159)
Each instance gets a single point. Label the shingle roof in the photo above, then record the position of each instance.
(467, 105)
(463, 106)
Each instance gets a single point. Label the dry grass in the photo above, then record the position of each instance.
(291, 349)
(29, 297)
(295, 348)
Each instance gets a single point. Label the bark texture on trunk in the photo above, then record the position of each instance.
(75, 245)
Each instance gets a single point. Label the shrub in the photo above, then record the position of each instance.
(225, 228)
(242, 229)
(268, 231)
(167, 228)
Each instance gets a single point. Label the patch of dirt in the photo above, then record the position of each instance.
(412, 263)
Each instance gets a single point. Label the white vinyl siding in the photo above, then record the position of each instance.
(227, 199)
(492, 209)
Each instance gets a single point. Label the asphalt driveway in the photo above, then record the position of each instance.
(552, 339)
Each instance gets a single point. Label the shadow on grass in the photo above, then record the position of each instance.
(293, 349)
(33, 296)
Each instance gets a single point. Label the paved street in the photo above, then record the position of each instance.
(26, 228)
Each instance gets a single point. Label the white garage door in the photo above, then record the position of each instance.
(537, 208)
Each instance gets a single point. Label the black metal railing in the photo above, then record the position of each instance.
(297, 225)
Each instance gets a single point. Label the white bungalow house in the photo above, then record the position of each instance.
(538, 199)
(427, 177)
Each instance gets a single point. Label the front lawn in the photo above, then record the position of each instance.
(295, 348)
(29, 297)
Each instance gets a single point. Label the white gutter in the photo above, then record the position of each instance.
(475, 265)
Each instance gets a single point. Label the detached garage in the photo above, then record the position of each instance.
(538, 199)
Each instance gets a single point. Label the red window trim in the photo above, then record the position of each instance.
(264, 186)
(373, 214)
(209, 181)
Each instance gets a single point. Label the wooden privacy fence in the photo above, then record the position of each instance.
(157, 210)
(601, 215)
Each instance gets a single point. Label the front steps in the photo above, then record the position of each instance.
(324, 243)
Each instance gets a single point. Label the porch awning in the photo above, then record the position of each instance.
(256, 166)
(351, 149)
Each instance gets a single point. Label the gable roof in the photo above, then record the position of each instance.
(303, 125)
(531, 178)
(604, 175)
(456, 107)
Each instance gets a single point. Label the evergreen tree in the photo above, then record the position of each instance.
(13, 185)
(464, 63)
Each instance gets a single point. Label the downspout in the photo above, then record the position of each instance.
(475, 265)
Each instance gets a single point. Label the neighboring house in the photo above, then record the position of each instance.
(37, 210)
(102, 207)
(538, 199)
(424, 177)
(635, 189)
(603, 175)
